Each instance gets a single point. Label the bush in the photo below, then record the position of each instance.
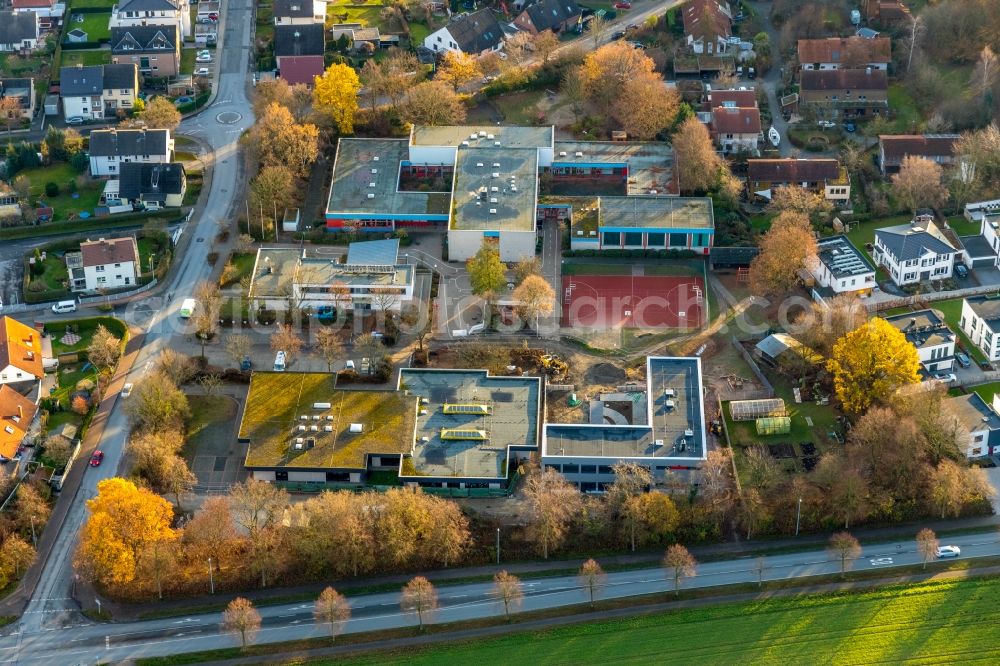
(51, 189)
(212, 258)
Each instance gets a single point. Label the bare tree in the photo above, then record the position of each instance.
(333, 610)
(206, 317)
(679, 564)
(238, 347)
(592, 578)
(919, 183)
(241, 619)
(927, 545)
(508, 589)
(759, 567)
(372, 348)
(287, 340)
(552, 503)
(329, 346)
(384, 299)
(420, 597)
(844, 547)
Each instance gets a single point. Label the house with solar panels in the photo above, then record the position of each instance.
(840, 268)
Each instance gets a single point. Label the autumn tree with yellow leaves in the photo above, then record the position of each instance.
(335, 94)
(870, 364)
(125, 522)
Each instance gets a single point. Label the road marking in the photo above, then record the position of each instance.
(881, 561)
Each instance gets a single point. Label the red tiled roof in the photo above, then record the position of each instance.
(21, 347)
(16, 413)
(300, 69)
(790, 170)
(108, 251)
(694, 14)
(844, 79)
(896, 147)
(744, 98)
(834, 49)
(736, 120)
(33, 4)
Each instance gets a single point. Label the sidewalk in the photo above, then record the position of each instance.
(730, 550)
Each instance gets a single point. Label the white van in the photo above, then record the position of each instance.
(279, 362)
(63, 307)
(187, 307)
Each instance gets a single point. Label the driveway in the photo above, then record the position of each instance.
(771, 81)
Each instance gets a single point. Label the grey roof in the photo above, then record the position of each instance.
(546, 14)
(373, 253)
(144, 38)
(292, 9)
(841, 258)
(123, 77)
(912, 241)
(151, 182)
(973, 413)
(476, 32)
(299, 40)
(15, 28)
(922, 329)
(122, 142)
(81, 80)
(777, 344)
(986, 308)
(147, 6)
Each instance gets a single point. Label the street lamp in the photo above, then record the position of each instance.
(211, 579)
(498, 546)
(798, 515)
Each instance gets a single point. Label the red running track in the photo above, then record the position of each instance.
(647, 301)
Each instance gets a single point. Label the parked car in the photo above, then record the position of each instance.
(96, 459)
(849, 126)
(205, 19)
(617, 34)
(74, 120)
(638, 45)
(945, 377)
(949, 551)
(245, 364)
(214, 16)
(623, 5)
(203, 58)
(963, 360)
(985, 365)
(827, 124)
(961, 271)
(201, 71)
(127, 390)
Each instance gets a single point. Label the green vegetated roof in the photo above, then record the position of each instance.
(284, 408)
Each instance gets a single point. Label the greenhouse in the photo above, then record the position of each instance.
(774, 425)
(748, 410)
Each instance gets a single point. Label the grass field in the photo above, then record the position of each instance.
(95, 25)
(211, 423)
(962, 226)
(64, 204)
(929, 623)
(85, 329)
(95, 57)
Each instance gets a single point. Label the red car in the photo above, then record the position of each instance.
(96, 459)
(623, 5)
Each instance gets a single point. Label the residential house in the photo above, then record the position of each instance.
(152, 186)
(555, 15)
(18, 32)
(979, 423)
(914, 252)
(155, 49)
(708, 25)
(22, 90)
(299, 40)
(845, 53)
(20, 352)
(473, 34)
(47, 10)
(111, 148)
(851, 93)
(98, 91)
(153, 12)
(299, 12)
(370, 279)
(736, 129)
(840, 268)
(981, 322)
(16, 415)
(301, 69)
(821, 175)
(885, 12)
(930, 336)
(892, 149)
(104, 264)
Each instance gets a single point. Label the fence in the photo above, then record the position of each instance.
(930, 297)
(753, 394)
(89, 300)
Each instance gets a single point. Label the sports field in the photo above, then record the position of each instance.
(933, 623)
(633, 301)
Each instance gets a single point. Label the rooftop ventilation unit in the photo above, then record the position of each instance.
(493, 211)
(371, 196)
(466, 408)
(299, 443)
(374, 170)
(652, 191)
(689, 433)
(372, 184)
(473, 136)
(593, 233)
(482, 135)
(479, 164)
(314, 428)
(579, 233)
(562, 153)
(494, 200)
(496, 174)
(423, 412)
(669, 404)
(302, 428)
(579, 154)
(328, 428)
(375, 159)
(304, 417)
(496, 165)
(658, 443)
(465, 143)
(490, 136)
(496, 143)
(513, 188)
(356, 427)
(329, 417)
(494, 189)
(669, 392)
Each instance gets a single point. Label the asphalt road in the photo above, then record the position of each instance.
(220, 126)
(93, 643)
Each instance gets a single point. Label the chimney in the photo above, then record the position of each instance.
(20, 412)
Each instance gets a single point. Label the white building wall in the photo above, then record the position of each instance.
(114, 277)
(441, 41)
(941, 357)
(517, 245)
(111, 166)
(463, 245)
(12, 374)
(78, 106)
(433, 154)
(980, 334)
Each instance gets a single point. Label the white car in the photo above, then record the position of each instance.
(827, 124)
(201, 71)
(949, 551)
(203, 58)
(946, 377)
(127, 390)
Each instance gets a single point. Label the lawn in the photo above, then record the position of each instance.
(69, 377)
(987, 391)
(862, 233)
(520, 108)
(187, 60)
(962, 226)
(50, 285)
(906, 117)
(108, 4)
(150, 247)
(95, 57)
(84, 328)
(952, 312)
(934, 622)
(418, 32)
(95, 25)
(65, 203)
(369, 14)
